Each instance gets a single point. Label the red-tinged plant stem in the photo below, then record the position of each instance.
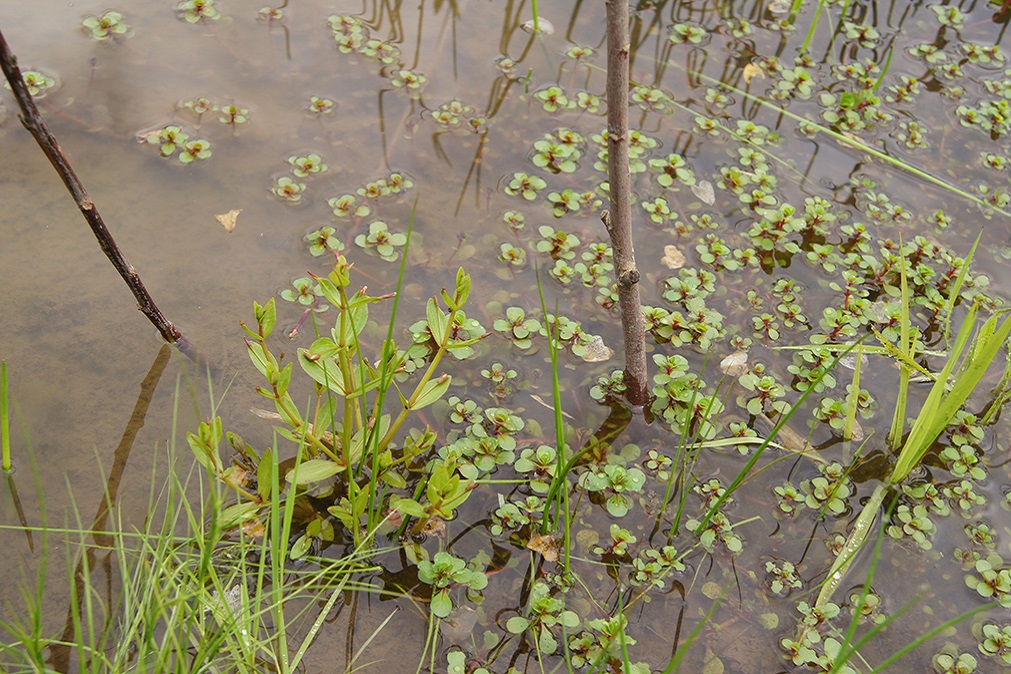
(36, 125)
(618, 220)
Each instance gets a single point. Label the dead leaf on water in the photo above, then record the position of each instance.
(254, 527)
(858, 432)
(735, 364)
(228, 219)
(752, 70)
(703, 189)
(672, 257)
(597, 351)
(546, 545)
(779, 7)
(543, 25)
(435, 527)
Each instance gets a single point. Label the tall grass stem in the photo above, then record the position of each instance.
(5, 422)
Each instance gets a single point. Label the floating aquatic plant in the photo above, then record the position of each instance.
(271, 15)
(107, 26)
(233, 115)
(307, 165)
(194, 150)
(319, 105)
(200, 106)
(382, 240)
(408, 79)
(37, 82)
(304, 291)
(288, 189)
(444, 572)
(347, 205)
(553, 99)
(169, 139)
(195, 11)
(323, 240)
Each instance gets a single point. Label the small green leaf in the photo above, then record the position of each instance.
(262, 359)
(300, 547)
(266, 317)
(517, 624)
(438, 322)
(311, 471)
(433, 391)
(442, 605)
(232, 516)
(263, 473)
(457, 662)
(409, 507)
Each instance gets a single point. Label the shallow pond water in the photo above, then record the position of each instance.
(78, 350)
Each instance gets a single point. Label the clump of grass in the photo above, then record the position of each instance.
(187, 595)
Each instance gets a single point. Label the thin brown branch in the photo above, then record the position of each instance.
(618, 220)
(36, 125)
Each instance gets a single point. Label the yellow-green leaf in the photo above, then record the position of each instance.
(433, 390)
(313, 470)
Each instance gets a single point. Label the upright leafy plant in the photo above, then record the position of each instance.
(345, 438)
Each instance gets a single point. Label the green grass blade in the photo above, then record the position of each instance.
(853, 398)
(956, 289)
(862, 527)
(905, 348)
(941, 405)
(5, 430)
(562, 466)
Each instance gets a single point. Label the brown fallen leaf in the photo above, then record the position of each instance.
(546, 545)
(672, 257)
(228, 219)
(435, 527)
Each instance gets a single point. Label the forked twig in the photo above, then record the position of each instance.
(36, 125)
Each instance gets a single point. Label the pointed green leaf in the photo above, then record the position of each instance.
(262, 359)
(462, 287)
(433, 391)
(409, 507)
(857, 537)
(313, 470)
(263, 473)
(266, 317)
(438, 322)
(234, 515)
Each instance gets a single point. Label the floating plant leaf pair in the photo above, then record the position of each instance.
(195, 11)
(172, 138)
(382, 240)
(109, 25)
(38, 83)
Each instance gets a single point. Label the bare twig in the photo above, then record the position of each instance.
(618, 220)
(36, 125)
